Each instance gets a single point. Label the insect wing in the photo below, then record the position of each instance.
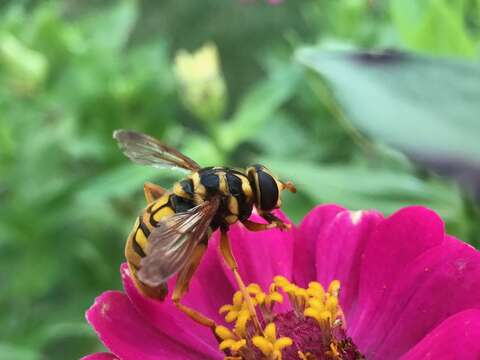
(146, 150)
(173, 240)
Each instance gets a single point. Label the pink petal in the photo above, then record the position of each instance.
(442, 281)
(407, 275)
(313, 226)
(100, 356)
(264, 254)
(455, 338)
(168, 319)
(339, 252)
(130, 336)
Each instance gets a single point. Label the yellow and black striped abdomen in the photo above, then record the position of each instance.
(137, 242)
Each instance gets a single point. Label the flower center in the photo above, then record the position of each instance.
(313, 327)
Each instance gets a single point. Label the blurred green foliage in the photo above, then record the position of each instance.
(72, 72)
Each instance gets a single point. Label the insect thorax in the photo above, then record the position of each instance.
(231, 185)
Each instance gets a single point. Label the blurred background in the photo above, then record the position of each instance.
(227, 82)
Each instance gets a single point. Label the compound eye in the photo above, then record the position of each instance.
(268, 191)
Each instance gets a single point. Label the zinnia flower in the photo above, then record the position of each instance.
(393, 288)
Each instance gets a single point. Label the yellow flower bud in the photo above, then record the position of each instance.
(202, 84)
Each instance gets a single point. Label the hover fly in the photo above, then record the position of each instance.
(171, 234)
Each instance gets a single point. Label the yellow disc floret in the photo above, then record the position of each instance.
(269, 345)
(246, 341)
(234, 310)
(324, 306)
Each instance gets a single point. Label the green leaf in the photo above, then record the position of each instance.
(116, 182)
(422, 105)
(434, 26)
(58, 330)
(202, 150)
(258, 107)
(110, 28)
(13, 352)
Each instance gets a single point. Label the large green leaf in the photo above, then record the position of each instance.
(433, 26)
(428, 107)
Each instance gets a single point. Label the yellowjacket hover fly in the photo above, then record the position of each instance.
(171, 234)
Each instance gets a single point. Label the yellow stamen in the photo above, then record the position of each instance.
(269, 345)
(290, 288)
(301, 296)
(331, 305)
(241, 324)
(233, 345)
(313, 313)
(316, 304)
(263, 344)
(275, 297)
(224, 333)
(271, 332)
(260, 298)
(300, 292)
(272, 288)
(283, 342)
(226, 344)
(225, 308)
(238, 345)
(254, 288)
(281, 281)
(237, 298)
(334, 288)
(231, 316)
(315, 285)
(272, 296)
(316, 290)
(324, 318)
(234, 310)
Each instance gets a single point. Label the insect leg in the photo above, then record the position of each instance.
(152, 191)
(181, 287)
(227, 254)
(273, 222)
(253, 226)
(272, 219)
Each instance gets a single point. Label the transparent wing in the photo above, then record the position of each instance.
(146, 150)
(173, 240)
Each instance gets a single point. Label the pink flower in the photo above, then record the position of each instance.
(408, 291)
